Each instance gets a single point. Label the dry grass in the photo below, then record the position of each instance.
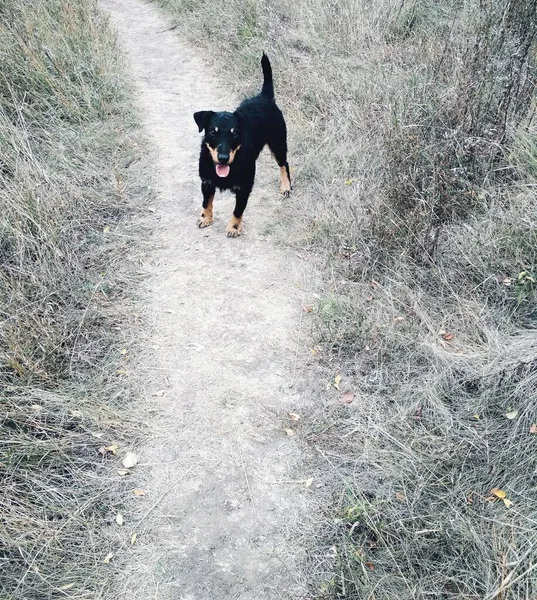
(413, 138)
(68, 254)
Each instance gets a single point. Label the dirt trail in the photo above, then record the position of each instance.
(226, 482)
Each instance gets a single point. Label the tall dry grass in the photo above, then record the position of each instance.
(412, 131)
(68, 254)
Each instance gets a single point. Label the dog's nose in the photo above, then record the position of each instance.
(223, 157)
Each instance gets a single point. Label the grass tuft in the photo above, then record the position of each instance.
(69, 239)
(412, 133)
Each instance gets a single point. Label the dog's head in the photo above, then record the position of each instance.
(223, 137)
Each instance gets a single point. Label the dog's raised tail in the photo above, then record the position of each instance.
(268, 85)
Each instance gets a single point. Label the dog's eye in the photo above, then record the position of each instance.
(213, 131)
(235, 133)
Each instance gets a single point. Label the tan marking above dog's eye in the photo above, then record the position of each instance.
(232, 130)
(216, 129)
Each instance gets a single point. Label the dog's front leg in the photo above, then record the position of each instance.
(206, 217)
(234, 227)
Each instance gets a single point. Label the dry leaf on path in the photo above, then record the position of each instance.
(348, 397)
(67, 586)
(130, 460)
(119, 519)
(533, 428)
(289, 432)
(511, 414)
(133, 538)
(139, 492)
(123, 472)
(498, 493)
(337, 380)
(294, 417)
(308, 482)
(108, 558)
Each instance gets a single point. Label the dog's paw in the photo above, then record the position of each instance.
(285, 192)
(205, 220)
(234, 228)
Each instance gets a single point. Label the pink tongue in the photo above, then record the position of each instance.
(222, 170)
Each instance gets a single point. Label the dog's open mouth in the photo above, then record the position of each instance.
(222, 170)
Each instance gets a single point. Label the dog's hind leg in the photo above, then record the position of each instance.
(278, 146)
(206, 217)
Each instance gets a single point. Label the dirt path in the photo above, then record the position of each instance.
(226, 482)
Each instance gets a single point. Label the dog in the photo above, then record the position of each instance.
(231, 145)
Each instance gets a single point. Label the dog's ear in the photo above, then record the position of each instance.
(239, 118)
(202, 118)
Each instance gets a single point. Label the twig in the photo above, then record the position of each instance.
(508, 582)
(246, 477)
(169, 28)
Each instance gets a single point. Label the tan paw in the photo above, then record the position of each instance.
(205, 220)
(285, 192)
(234, 227)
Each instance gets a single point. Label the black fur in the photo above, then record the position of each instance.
(255, 123)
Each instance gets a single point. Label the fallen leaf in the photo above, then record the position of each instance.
(507, 281)
(289, 432)
(533, 428)
(67, 586)
(123, 472)
(418, 412)
(139, 492)
(294, 417)
(108, 558)
(113, 448)
(511, 414)
(106, 228)
(498, 493)
(75, 413)
(36, 407)
(130, 460)
(508, 502)
(159, 393)
(399, 319)
(476, 417)
(133, 538)
(370, 566)
(448, 336)
(348, 397)
(307, 309)
(169, 311)
(308, 482)
(123, 351)
(119, 519)
(400, 496)
(337, 379)
(96, 434)
(349, 181)
(122, 371)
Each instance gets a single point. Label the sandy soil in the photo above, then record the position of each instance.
(225, 482)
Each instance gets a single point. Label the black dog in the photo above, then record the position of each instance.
(231, 145)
